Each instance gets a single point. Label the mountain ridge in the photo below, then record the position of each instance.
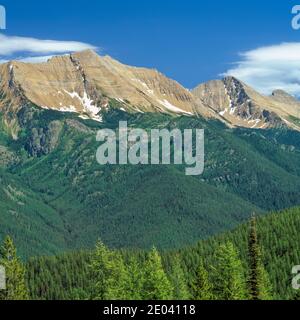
(85, 83)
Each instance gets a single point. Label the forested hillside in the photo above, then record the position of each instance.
(198, 272)
(55, 197)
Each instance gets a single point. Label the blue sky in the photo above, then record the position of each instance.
(190, 41)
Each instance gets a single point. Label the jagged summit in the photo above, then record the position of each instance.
(86, 83)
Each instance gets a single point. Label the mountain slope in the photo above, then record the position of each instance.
(83, 193)
(47, 148)
(245, 171)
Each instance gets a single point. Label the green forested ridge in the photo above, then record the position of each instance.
(55, 197)
(218, 268)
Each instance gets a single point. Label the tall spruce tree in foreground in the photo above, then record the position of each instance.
(258, 282)
(201, 287)
(156, 283)
(109, 275)
(99, 272)
(178, 279)
(15, 273)
(136, 279)
(228, 274)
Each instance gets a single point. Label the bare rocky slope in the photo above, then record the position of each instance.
(86, 83)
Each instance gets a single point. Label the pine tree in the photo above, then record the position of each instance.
(201, 287)
(109, 275)
(156, 283)
(136, 280)
(98, 271)
(178, 279)
(15, 273)
(228, 274)
(118, 278)
(258, 281)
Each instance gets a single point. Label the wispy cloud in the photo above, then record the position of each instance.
(36, 50)
(37, 59)
(270, 68)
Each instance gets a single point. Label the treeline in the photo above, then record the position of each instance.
(279, 238)
(105, 274)
(251, 262)
(116, 277)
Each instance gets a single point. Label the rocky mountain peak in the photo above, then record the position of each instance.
(87, 84)
(241, 105)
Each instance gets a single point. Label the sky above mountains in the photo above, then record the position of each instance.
(190, 41)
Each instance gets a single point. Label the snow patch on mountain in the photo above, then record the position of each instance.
(87, 104)
(171, 107)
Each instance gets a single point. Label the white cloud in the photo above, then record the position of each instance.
(269, 68)
(37, 59)
(38, 50)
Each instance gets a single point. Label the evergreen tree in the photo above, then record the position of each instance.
(228, 274)
(99, 272)
(118, 278)
(156, 283)
(136, 279)
(109, 276)
(15, 273)
(201, 287)
(258, 281)
(178, 279)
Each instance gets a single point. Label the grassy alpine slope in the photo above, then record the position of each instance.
(55, 197)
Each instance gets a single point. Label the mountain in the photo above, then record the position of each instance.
(55, 197)
(85, 82)
(242, 106)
